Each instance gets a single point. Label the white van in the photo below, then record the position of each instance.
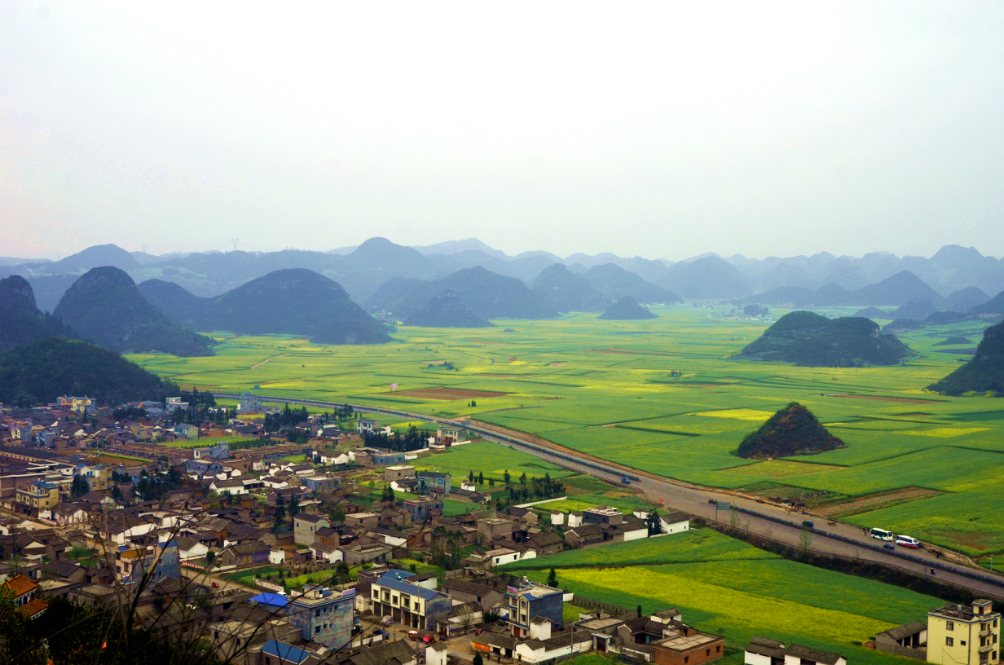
(907, 541)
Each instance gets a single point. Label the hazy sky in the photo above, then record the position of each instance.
(658, 129)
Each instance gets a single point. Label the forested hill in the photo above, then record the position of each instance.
(105, 307)
(626, 309)
(983, 373)
(294, 302)
(44, 369)
(812, 340)
(20, 320)
(792, 430)
(447, 310)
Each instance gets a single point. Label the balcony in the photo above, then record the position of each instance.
(986, 632)
(987, 648)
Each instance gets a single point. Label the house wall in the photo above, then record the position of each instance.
(889, 645)
(702, 654)
(755, 659)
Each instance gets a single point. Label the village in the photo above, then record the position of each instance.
(289, 537)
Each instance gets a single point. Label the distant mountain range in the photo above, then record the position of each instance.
(821, 280)
(811, 340)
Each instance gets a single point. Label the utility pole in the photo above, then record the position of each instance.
(235, 241)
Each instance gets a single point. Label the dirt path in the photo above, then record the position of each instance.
(267, 359)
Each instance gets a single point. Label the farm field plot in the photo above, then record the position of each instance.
(491, 459)
(719, 583)
(665, 396)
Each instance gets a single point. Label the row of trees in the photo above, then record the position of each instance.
(284, 419)
(413, 439)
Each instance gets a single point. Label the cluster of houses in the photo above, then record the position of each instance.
(78, 529)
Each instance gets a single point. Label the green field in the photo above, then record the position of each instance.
(723, 584)
(663, 395)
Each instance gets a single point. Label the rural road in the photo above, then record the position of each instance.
(759, 518)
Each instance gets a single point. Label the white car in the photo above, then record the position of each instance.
(907, 541)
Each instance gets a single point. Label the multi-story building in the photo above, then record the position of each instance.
(602, 515)
(76, 404)
(967, 634)
(132, 562)
(530, 600)
(39, 494)
(305, 527)
(393, 594)
(98, 477)
(422, 507)
(324, 616)
(249, 403)
(321, 483)
(448, 435)
(434, 481)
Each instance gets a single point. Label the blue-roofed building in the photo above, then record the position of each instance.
(280, 653)
(530, 600)
(412, 605)
(274, 602)
(324, 616)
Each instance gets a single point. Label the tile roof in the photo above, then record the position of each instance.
(17, 586)
(34, 608)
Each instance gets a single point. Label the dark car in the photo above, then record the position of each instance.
(808, 525)
(889, 546)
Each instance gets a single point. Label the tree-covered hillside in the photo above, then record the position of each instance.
(806, 338)
(44, 369)
(20, 320)
(983, 373)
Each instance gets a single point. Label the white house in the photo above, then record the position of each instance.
(276, 556)
(328, 553)
(574, 519)
(672, 522)
(557, 518)
(196, 550)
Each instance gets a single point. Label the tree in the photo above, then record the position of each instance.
(280, 509)
(491, 483)
(805, 539)
(478, 660)
(639, 611)
(210, 555)
(654, 523)
(466, 616)
(552, 578)
(506, 477)
(470, 477)
(522, 479)
(117, 494)
(79, 486)
(294, 506)
(481, 478)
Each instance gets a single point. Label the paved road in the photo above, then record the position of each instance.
(695, 499)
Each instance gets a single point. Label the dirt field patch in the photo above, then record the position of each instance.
(267, 359)
(901, 400)
(870, 502)
(636, 352)
(556, 364)
(447, 394)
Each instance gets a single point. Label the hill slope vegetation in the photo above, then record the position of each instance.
(45, 369)
(446, 310)
(294, 301)
(20, 320)
(626, 309)
(487, 294)
(105, 307)
(566, 291)
(984, 373)
(793, 430)
(705, 279)
(808, 339)
(614, 283)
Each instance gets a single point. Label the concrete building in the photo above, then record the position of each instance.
(602, 515)
(429, 481)
(410, 604)
(530, 600)
(39, 494)
(249, 403)
(305, 527)
(422, 507)
(399, 472)
(324, 616)
(964, 634)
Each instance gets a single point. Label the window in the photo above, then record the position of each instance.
(317, 630)
(686, 659)
(707, 652)
(963, 643)
(949, 625)
(317, 613)
(718, 649)
(949, 642)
